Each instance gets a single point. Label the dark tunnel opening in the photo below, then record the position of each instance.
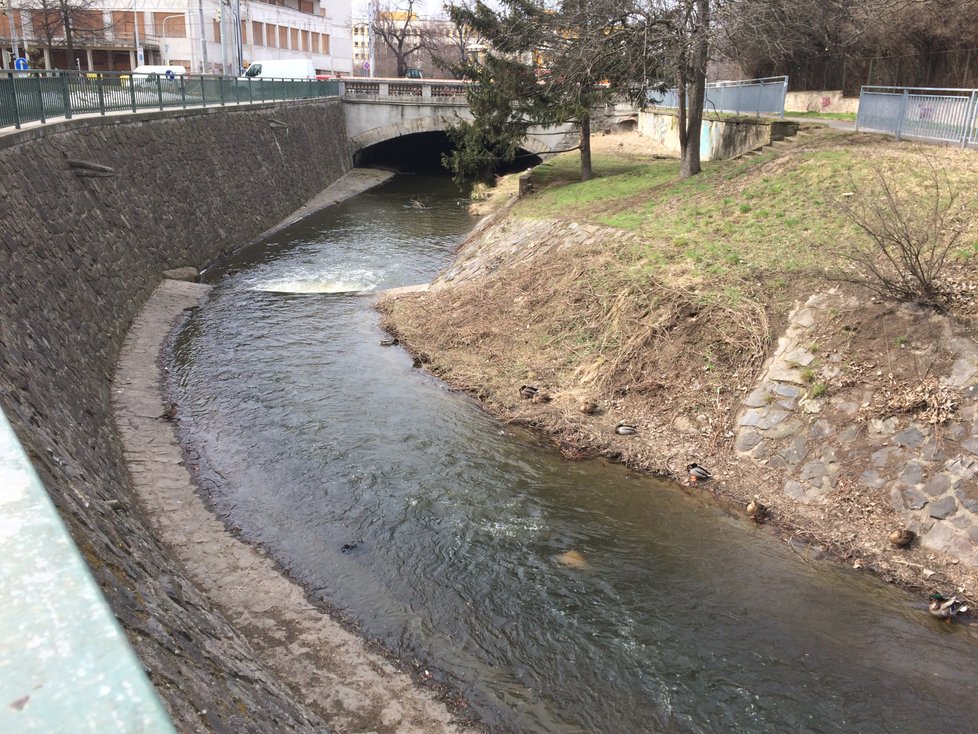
(422, 153)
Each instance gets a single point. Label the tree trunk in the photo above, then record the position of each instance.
(69, 35)
(587, 173)
(699, 55)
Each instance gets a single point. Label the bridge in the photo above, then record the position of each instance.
(378, 110)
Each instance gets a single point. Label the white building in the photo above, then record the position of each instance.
(198, 34)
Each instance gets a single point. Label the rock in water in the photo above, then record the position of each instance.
(573, 559)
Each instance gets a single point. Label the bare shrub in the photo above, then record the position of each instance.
(912, 223)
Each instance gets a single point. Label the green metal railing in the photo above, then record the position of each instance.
(65, 665)
(38, 96)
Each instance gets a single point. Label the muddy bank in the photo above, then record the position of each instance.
(820, 406)
(329, 670)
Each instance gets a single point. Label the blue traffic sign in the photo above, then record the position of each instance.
(21, 64)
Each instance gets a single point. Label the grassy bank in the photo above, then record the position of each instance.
(643, 298)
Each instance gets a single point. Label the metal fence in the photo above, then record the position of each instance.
(758, 96)
(949, 115)
(37, 96)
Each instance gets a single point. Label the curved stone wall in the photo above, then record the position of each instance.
(91, 213)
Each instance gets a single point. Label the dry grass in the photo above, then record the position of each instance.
(665, 328)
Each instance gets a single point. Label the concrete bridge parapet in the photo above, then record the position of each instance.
(377, 110)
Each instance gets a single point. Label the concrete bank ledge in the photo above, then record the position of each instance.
(65, 664)
(331, 670)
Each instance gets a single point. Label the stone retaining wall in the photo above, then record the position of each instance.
(719, 139)
(91, 213)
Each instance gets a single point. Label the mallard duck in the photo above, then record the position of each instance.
(625, 429)
(902, 538)
(945, 608)
(756, 510)
(391, 342)
(697, 473)
(589, 407)
(528, 391)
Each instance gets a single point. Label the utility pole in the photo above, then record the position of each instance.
(237, 37)
(203, 40)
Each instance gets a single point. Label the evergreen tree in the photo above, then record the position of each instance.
(546, 65)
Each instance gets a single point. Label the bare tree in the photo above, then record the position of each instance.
(73, 20)
(680, 33)
(455, 40)
(397, 25)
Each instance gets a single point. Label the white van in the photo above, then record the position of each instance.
(147, 73)
(281, 69)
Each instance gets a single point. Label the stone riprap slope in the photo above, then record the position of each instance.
(91, 213)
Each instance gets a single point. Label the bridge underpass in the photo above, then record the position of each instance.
(401, 124)
(422, 153)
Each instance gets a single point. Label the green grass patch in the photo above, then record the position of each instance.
(851, 116)
(765, 220)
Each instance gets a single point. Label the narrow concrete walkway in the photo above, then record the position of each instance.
(846, 125)
(330, 669)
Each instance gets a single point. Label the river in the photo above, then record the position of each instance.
(445, 534)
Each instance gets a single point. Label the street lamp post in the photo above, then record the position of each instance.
(135, 33)
(166, 48)
(13, 30)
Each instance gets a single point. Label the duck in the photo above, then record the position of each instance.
(589, 407)
(902, 538)
(697, 473)
(625, 429)
(944, 608)
(528, 391)
(756, 510)
(391, 342)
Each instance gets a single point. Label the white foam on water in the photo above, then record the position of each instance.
(311, 286)
(316, 280)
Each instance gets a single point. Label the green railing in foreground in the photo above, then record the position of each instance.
(65, 666)
(38, 96)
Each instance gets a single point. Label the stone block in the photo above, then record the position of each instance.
(943, 507)
(937, 485)
(758, 398)
(938, 536)
(746, 440)
(913, 498)
(913, 473)
(910, 437)
(787, 391)
(804, 492)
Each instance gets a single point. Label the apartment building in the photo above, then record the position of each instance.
(203, 35)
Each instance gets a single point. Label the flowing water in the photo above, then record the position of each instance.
(447, 535)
